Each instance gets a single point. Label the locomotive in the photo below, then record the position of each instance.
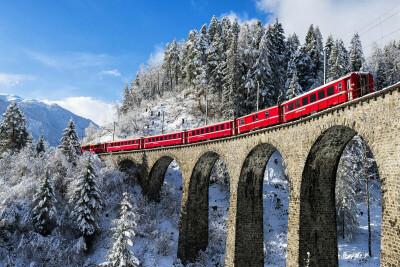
(344, 89)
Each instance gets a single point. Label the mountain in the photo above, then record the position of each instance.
(41, 118)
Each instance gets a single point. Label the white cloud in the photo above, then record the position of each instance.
(242, 18)
(10, 80)
(115, 73)
(339, 18)
(157, 56)
(72, 60)
(88, 107)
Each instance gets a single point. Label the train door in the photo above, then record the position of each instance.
(349, 90)
(363, 89)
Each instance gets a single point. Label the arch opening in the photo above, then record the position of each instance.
(358, 196)
(152, 187)
(275, 211)
(250, 223)
(318, 235)
(130, 168)
(201, 222)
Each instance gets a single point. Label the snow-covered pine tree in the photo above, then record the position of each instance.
(85, 200)
(294, 89)
(345, 195)
(276, 47)
(120, 254)
(300, 63)
(70, 146)
(329, 44)
(378, 66)
(44, 210)
(40, 147)
(233, 75)
(248, 56)
(13, 132)
(189, 70)
(201, 72)
(313, 53)
(338, 61)
(263, 74)
(127, 100)
(356, 54)
(391, 55)
(215, 57)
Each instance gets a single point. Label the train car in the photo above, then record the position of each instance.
(217, 130)
(96, 148)
(85, 148)
(124, 145)
(262, 118)
(164, 140)
(347, 88)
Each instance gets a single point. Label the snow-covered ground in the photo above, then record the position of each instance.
(355, 252)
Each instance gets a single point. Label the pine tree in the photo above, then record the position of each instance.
(189, 70)
(44, 210)
(86, 200)
(40, 148)
(120, 255)
(300, 64)
(70, 146)
(127, 100)
(276, 47)
(329, 44)
(294, 89)
(378, 67)
(356, 54)
(202, 71)
(338, 61)
(263, 74)
(312, 52)
(233, 75)
(346, 181)
(13, 132)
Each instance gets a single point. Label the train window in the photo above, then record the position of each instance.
(126, 143)
(290, 106)
(154, 139)
(267, 114)
(157, 138)
(340, 87)
(217, 128)
(256, 117)
(241, 121)
(313, 98)
(212, 129)
(174, 136)
(304, 100)
(202, 131)
(197, 132)
(321, 94)
(330, 91)
(193, 133)
(207, 130)
(297, 104)
(222, 126)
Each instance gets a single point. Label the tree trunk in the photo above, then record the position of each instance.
(367, 196)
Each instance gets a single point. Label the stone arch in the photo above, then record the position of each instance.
(152, 187)
(193, 229)
(129, 167)
(249, 207)
(318, 232)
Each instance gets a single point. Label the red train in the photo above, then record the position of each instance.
(347, 88)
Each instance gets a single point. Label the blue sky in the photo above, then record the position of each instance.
(77, 52)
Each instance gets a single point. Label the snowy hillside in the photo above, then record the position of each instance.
(41, 118)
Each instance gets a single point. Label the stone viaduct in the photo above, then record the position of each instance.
(311, 148)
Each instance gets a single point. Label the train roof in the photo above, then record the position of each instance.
(261, 110)
(208, 125)
(162, 134)
(124, 140)
(324, 85)
(94, 144)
